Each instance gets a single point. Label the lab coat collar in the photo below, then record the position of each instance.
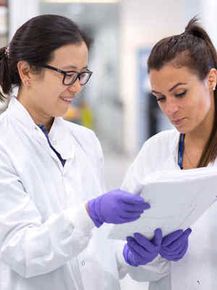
(175, 142)
(173, 150)
(60, 135)
(62, 138)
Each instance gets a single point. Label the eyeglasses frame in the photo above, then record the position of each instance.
(66, 73)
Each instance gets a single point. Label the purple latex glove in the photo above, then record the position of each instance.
(140, 250)
(175, 245)
(116, 207)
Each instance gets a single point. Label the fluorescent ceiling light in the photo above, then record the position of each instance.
(81, 1)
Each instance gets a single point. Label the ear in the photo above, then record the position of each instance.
(212, 79)
(24, 71)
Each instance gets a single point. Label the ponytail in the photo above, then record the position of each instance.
(193, 49)
(196, 30)
(5, 80)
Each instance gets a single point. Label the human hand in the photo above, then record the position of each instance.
(117, 207)
(175, 245)
(139, 250)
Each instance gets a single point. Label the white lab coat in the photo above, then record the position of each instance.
(47, 240)
(198, 268)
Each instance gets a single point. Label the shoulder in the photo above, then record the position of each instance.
(8, 139)
(155, 154)
(159, 147)
(3, 118)
(6, 129)
(162, 139)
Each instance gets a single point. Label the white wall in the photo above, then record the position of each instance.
(208, 16)
(20, 11)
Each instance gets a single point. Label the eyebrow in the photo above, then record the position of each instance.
(170, 90)
(72, 67)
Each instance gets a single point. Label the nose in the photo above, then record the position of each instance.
(75, 87)
(171, 108)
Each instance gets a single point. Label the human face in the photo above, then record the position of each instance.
(48, 97)
(187, 101)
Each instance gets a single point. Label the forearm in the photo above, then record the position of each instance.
(32, 248)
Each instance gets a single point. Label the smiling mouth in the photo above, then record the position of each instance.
(66, 99)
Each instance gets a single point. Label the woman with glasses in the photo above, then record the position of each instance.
(53, 212)
(183, 75)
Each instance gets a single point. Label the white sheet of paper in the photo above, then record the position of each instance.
(177, 198)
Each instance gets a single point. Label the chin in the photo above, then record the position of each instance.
(181, 130)
(60, 113)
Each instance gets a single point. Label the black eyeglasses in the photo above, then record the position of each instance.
(70, 77)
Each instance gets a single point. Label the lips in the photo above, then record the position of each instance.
(177, 122)
(67, 99)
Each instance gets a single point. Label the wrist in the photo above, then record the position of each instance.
(91, 209)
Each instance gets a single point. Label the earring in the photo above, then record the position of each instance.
(27, 83)
(214, 88)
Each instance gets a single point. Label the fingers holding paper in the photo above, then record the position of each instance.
(139, 250)
(174, 245)
(117, 207)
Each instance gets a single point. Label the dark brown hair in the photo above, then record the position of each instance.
(192, 49)
(35, 42)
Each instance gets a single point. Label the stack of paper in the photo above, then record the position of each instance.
(177, 198)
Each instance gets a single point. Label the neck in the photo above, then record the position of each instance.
(197, 139)
(199, 136)
(195, 142)
(37, 114)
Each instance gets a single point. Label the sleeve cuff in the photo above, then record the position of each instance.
(80, 218)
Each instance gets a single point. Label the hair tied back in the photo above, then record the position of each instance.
(194, 28)
(7, 51)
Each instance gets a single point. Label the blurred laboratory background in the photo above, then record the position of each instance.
(116, 103)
